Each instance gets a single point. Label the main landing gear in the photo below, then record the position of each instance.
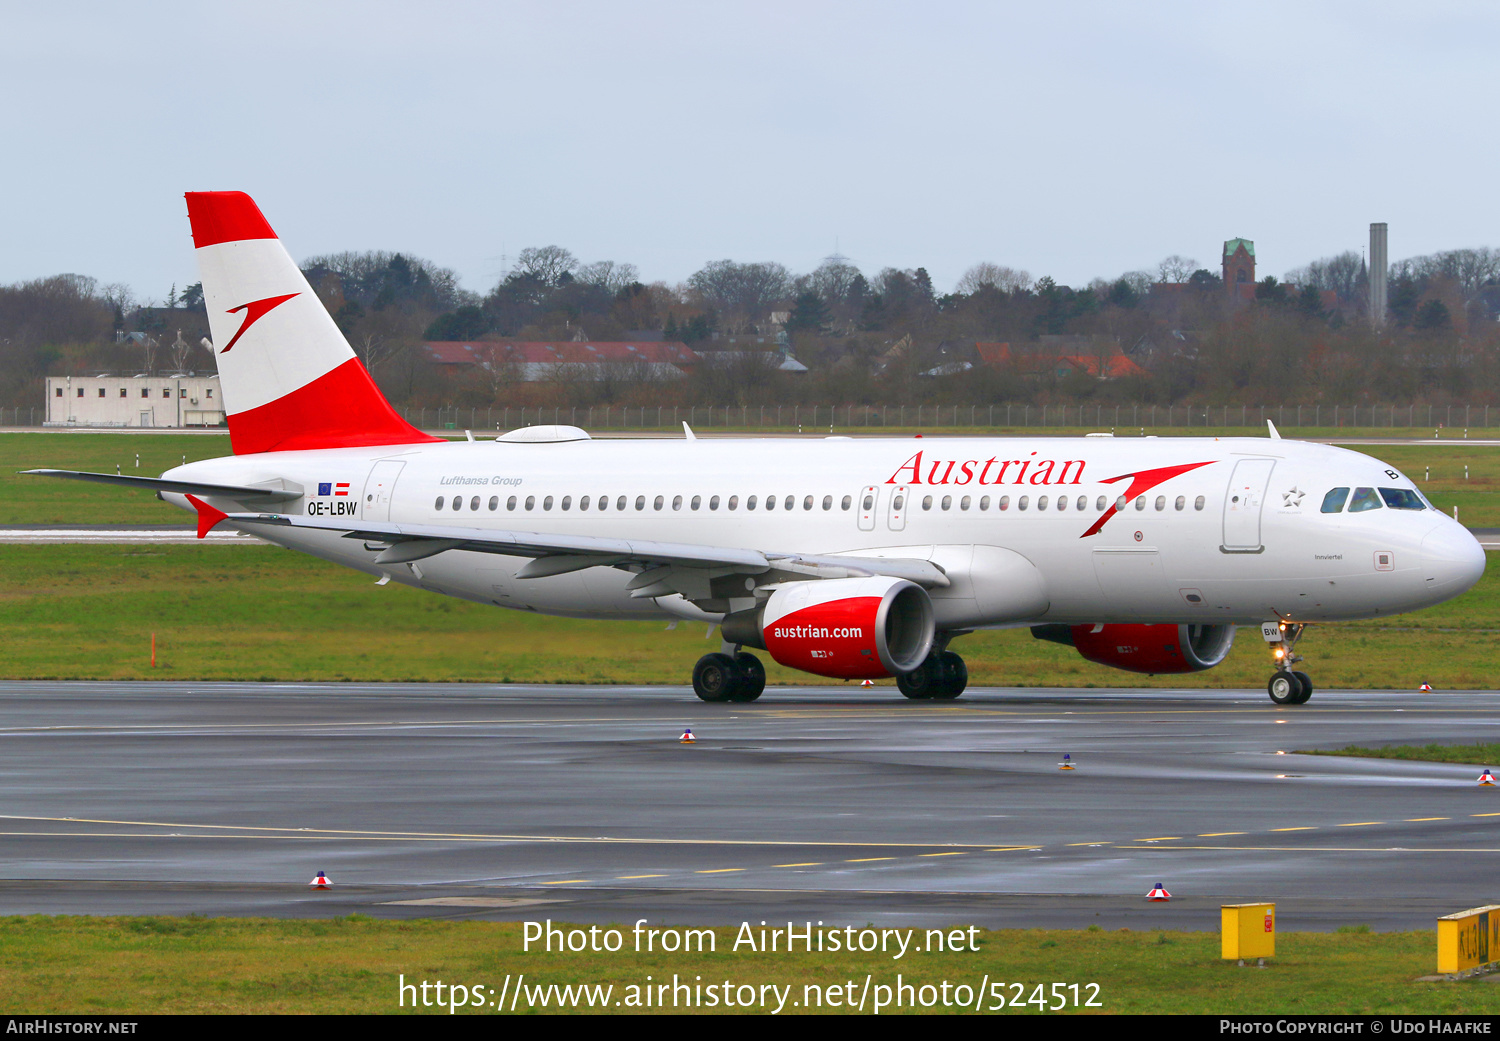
(1286, 686)
(941, 676)
(720, 677)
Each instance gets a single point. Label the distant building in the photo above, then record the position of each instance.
(535, 361)
(1239, 269)
(176, 400)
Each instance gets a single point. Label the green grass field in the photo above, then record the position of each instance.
(36, 500)
(262, 613)
(1478, 754)
(255, 612)
(200, 965)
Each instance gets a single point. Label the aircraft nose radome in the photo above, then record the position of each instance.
(1452, 559)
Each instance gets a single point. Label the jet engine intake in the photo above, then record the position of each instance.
(1145, 648)
(846, 628)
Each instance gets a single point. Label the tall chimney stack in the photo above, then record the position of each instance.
(1378, 270)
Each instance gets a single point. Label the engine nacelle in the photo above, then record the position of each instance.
(1145, 648)
(846, 628)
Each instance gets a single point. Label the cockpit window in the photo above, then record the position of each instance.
(1364, 499)
(1401, 499)
(1333, 502)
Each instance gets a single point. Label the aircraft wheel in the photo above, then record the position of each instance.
(923, 681)
(1285, 689)
(715, 677)
(955, 676)
(1307, 687)
(752, 676)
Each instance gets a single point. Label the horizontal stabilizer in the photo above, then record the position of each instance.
(243, 493)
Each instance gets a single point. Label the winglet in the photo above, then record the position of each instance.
(1276, 434)
(688, 431)
(207, 515)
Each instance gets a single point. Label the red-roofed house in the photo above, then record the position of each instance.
(1109, 364)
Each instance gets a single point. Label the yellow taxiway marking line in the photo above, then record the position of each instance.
(1413, 820)
(718, 870)
(956, 853)
(295, 832)
(1327, 849)
(810, 863)
(1305, 828)
(1220, 834)
(1101, 842)
(640, 876)
(866, 860)
(1358, 824)
(567, 881)
(1484, 815)
(1160, 838)
(1017, 849)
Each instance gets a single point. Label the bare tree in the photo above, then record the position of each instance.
(741, 293)
(997, 276)
(608, 275)
(548, 264)
(1175, 268)
(1342, 274)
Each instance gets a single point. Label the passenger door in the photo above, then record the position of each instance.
(1242, 505)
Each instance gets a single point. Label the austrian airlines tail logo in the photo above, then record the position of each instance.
(1143, 481)
(255, 310)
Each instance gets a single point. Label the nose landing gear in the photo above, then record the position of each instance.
(1286, 687)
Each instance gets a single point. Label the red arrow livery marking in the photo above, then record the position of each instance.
(207, 515)
(1144, 481)
(255, 310)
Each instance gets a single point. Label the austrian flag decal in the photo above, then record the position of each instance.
(331, 490)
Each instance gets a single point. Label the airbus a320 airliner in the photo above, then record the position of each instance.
(850, 559)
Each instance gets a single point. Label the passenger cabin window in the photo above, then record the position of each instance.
(713, 502)
(845, 504)
(620, 503)
(439, 504)
(1401, 499)
(583, 502)
(1364, 499)
(474, 503)
(1198, 503)
(494, 503)
(547, 503)
(1334, 501)
(770, 502)
(510, 504)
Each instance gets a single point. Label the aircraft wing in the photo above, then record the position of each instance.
(275, 491)
(664, 567)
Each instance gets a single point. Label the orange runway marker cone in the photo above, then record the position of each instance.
(1159, 894)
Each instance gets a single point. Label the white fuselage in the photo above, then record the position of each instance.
(1237, 540)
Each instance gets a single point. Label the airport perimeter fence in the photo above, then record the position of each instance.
(979, 417)
(810, 418)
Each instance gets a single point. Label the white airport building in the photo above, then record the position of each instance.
(180, 399)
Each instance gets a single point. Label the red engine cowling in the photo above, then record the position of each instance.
(847, 628)
(1146, 648)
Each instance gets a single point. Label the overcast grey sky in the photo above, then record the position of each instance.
(1071, 139)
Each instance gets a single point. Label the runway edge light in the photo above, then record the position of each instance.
(1247, 931)
(1159, 893)
(687, 737)
(1067, 762)
(1425, 688)
(1486, 779)
(321, 882)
